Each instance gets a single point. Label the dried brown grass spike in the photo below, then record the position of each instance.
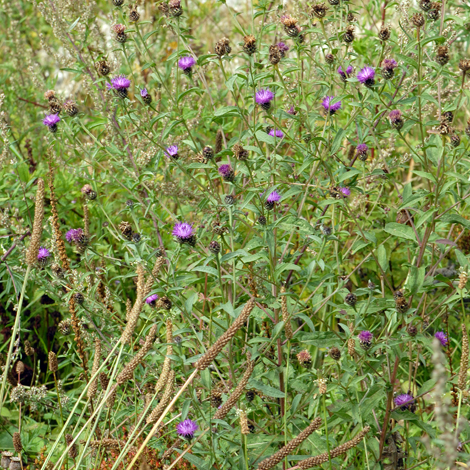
(93, 387)
(160, 408)
(212, 353)
(33, 250)
(237, 393)
(463, 359)
(244, 423)
(337, 451)
(281, 454)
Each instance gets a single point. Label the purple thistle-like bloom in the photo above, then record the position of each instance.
(365, 336)
(51, 121)
(329, 106)
(43, 253)
(172, 151)
(442, 337)
(362, 148)
(292, 111)
(120, 82)
(276, 133)
(264, 97)
(396, 119)
(183, 231)
(186, 63)
(405, 401)
(144, 92)
(74, 235)
(283, 48)
(225, 170)
(366, 76)
(273, 197)
(346, 74)
(187, 428)
(345, 191)
(389, 64)
(151, 299)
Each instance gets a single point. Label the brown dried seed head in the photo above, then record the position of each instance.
(211, 354)
(20, 367)
(33, 250)
(237, 393)
(463, 360)
(73, 448)
(463, 278)
(337, 451)
(18, 446)
(28, 349)
(126, 336)
(285, 315)
(53, 364)
(244, 423)
(93, 387)
(418, 20)
(270, 462)
(167, 394)
(351, 347)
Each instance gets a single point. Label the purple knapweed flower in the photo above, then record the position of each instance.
(365, 339)
(345, 75)
(388, 67)
(274, 197)
(172, 152)
(405, 401)
(43, 255)
(396, 119)
(184, 233)
(119, 84)
(74, 235)
(345, 191)
(151, 300)
(366, 76)
(361, 152)
(276, 133)
(442, 337)
(292, 111)
(264, 97)
(51, 121)
(283, 48)
(187, 428)
(329, 106)
(186, 64)
(226, 171)
(145, 95)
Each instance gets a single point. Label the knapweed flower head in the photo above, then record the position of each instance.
(51, 121)
(120, 82)
(43, 255)
(145, 95)
(345, 191)
(361, 151)
(276, 133)
(388, 67)
(172, 152)
(186, 63)
(74, 235)
(187, 428)
(347, 73)
(442, 337)
(366, 76)
(226, 171)
(365, 339)
(396, 120)
(283, 48)
(264, 97)
(405, 401)
(292, 111)
(184, 233)
(151, 299)
(330, 105)
(274, 197)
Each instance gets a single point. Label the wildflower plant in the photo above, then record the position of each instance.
(234, 234)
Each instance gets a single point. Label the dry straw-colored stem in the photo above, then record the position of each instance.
(463, 359)
(237, 393)
(33, 250)
(281, 454)
(96, 365)
(212, 353)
